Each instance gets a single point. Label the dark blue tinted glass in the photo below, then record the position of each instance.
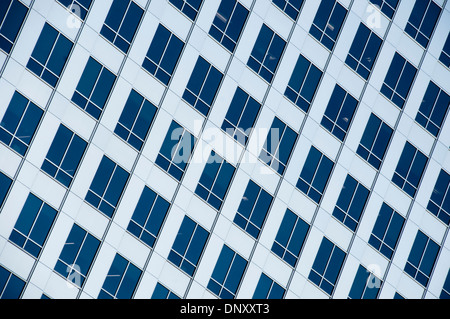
(121, 23)
(228, 23)
(12, 15)
(439, 203)
(163, 54)
(19, 123)
(315, 174)
(328, 22)
(266, 53)
(5, 184)
(227, 274)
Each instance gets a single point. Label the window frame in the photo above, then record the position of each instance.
(129, 130)
(20, 145)
(146, 207)
(311, 185)
(389, 90)
(104, 294)
(197, 94)
(163, 73)
(218, 31)
(225, 279)
(106, 190)
(345, 207)
(259, 209)
(416, 31)
(250, 110)
(201, 188)
(87, 103)
(368, 39)
(270, 153)
(319, 32)
(440, 105)
(33, 225)
(263, 65)
(285, 239)
(70, 270)
(268, 288)
(422, 276)
(319, 274)
(186, 141)
(290, 9)
(300, 83)
(107, 31)
(375, 138)
(66, 155)
(187, 8)
(437, 205)
(403, 181)
(44, 62)
(388, 225)
(6, 43)
(339, 123)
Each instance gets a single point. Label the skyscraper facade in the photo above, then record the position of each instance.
(224, 149)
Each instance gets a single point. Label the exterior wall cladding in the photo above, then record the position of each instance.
(224, 149)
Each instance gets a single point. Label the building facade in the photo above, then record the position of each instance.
(224, 149)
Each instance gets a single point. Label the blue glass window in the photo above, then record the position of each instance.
(278, 146)
(303, 83)
(188, 246)
(94, 88)
(339, 112)
(19, 123)
(176, 150)
(290, 7)
(328, 22)
(11, 286)
(107, 186)
(228, 23)
(121, 280)
(364, 51)
(433, 109)
(163, 54)
(421, 258)
(388, 7)
(49, 55)
(227, 274)
(351, 203)
(374, 142)
(422, 21)
(409, 169)
(135, 121)
(445, 54)
(12, 16)
(203, 85)
(268, 289)
(189, 7)
(386, 231)
(148, 216)
(162, 292)
(439, 204)
(398, 81)
(241, 116)
(121, 23)
(290, 238)
(77, 255)
(266, 53)
(214, 181)
(78, 7)
(315, 174)
(5, 184)
(365, 285)
(327, 266)
(64, 155)
(445, 293)
(33, 225)
(253, 209)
